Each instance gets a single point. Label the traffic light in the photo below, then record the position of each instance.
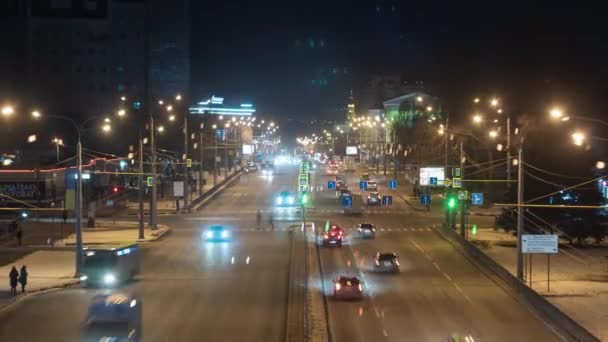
(452, 201)
(115, 189)
(474, 229)
(304, 198)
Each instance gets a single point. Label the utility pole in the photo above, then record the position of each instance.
(446, 138)
(394, 152)
(215, 161)
(463, 203)
(508, 151)
(186, 187)
(201, 179)
(520, 211)
(140, 185)
(154, 176)
(79, 207)
(226, 153)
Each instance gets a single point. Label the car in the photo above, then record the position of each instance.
(374, 198)
(332, 170)
(366, 230)
(346, 287)
(217, 233)
(372, 185)
(338, 179)
(251, 167)
(285, 198)
(365, 177)
(333, 236)
(113, 317)
(267, 169)
(340, 185)
(386, 262)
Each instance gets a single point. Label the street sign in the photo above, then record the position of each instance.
(188, 162)
(462, 195)
(448, 183)
(539, 244)
(150, 181)
(363, 185)
(425, 199)
(433, 181)
(387, 200)
(456, 183)
(456, 172)
(178, 189)
(303, 179)
(331, 185)
(347, 201)
(392, 184)
(302, 187)
(477, 198)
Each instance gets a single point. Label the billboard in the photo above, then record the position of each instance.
(23, 190)
(432, 176)
(351, 150)
(247, 149)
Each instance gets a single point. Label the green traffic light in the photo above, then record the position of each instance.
(452, 202)
(304, 198)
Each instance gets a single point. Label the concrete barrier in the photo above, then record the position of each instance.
(199, 202)
(296, 320)
(562, 324)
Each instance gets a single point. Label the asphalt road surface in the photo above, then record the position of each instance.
(192, 290)
(437, 294)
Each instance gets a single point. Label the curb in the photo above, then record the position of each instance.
(17, 299)
(206, 197)
(153, 239)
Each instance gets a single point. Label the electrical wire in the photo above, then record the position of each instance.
(484, 169)
(553, 173)
(544, 180)
(568, 188)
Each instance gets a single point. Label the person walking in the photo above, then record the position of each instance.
(258, 219)
(23, 278)
(19, 236)
(65, 215)
(271, 221)
(13, 277)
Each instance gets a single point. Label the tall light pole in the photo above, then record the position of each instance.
(154, 175)
(520, 211)
(200, 160)
(140, 185)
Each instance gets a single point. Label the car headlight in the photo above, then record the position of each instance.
(290, 199)
(83, 277)
(109, 279)
(209, 234)
(224, 234)
(279, 200)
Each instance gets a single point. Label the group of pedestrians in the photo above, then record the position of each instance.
(18, 278)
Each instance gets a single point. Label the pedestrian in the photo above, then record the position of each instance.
(65, 215)
(258, 218)
(23, 278)
(13, 276)
(271, 221)
(19, 236)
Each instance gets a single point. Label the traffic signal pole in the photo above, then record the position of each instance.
(463, 203)
(140, 185)
(520, 211)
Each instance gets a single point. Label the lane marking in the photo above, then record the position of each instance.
(384, 332)
(436, 266)
(447, 276)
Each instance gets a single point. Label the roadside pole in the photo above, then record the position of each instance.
(154, 178)
(140, 185)
(201, 179)
(185, 157)
(520, 212)
(463, 202)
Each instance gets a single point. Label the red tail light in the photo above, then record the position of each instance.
(326, 236)
(338, 286)
(360, 287)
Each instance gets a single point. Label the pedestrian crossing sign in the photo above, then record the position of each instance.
(150, 181)
(188, 162)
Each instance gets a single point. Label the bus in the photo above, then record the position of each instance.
(109, 265)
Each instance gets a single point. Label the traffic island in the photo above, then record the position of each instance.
(119, 233)
(316, 306)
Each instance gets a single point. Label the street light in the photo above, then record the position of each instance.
(161, 129)
(121, 112)
(578, 138)
(556, 113)
(36, 114)
(477, 119)
(171, 117)
(429, 108)
(419, 99)
(494, 102)
(178, 97)
(476, 100)
(600, 165)
(106, 127)
(8, 110)
(493, 134)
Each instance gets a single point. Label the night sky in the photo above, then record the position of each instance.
(531, 55)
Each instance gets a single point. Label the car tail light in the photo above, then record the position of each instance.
(360, 287)
(326, 236)
(338, 286)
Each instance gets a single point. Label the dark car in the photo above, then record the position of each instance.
(374, 198)
(348, 288)
(334, 236)
(344, 192)
(386, 262)
(366, 230)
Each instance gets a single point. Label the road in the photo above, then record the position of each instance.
(191, 290)
(438, 293)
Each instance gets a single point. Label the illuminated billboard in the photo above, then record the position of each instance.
(432, 176)
(351, 150)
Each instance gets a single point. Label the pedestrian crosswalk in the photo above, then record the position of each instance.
(309, 211)
(348, 230)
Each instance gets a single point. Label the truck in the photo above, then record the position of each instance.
(109, 265)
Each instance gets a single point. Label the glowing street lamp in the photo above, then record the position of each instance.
(106, 128)
(476, 100)
(121, 112)
(556, 113)
(8, 110)
(161, 129)
(429, 109)
(178, 97)
(477, 119)
(171, 117)
(493, 134)
(419, 99)
(578, 138)
(494, 102)
(600, 165)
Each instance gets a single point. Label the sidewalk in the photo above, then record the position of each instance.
(168, 204)
(47, 269)
(119, 233)
(578, 277)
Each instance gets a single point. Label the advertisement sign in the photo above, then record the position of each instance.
(23, 190)
(426, 173)
(539, 244)
(178, 189)
(247, 149)
(351, 150)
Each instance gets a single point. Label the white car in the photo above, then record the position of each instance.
(372, 186)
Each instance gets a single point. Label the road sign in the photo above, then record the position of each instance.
(539, 244)
(150, 181)
(302, 187)
(363, 185)
(347, 201)
(392, 184)
(178, 189)
(456, 183)
(425, 199)
(447, 183)
(303, 179)
(477, 198)
(433, 181)
(462, 195)
(331, 185)
(188, 162)
(387, 200)
(456, 172)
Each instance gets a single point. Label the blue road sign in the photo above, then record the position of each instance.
(363, 185)
(433, 181)
(331, 185)
(392, 184)
(347, 201)
(477, 198)
(425, 199)
(387, 200)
